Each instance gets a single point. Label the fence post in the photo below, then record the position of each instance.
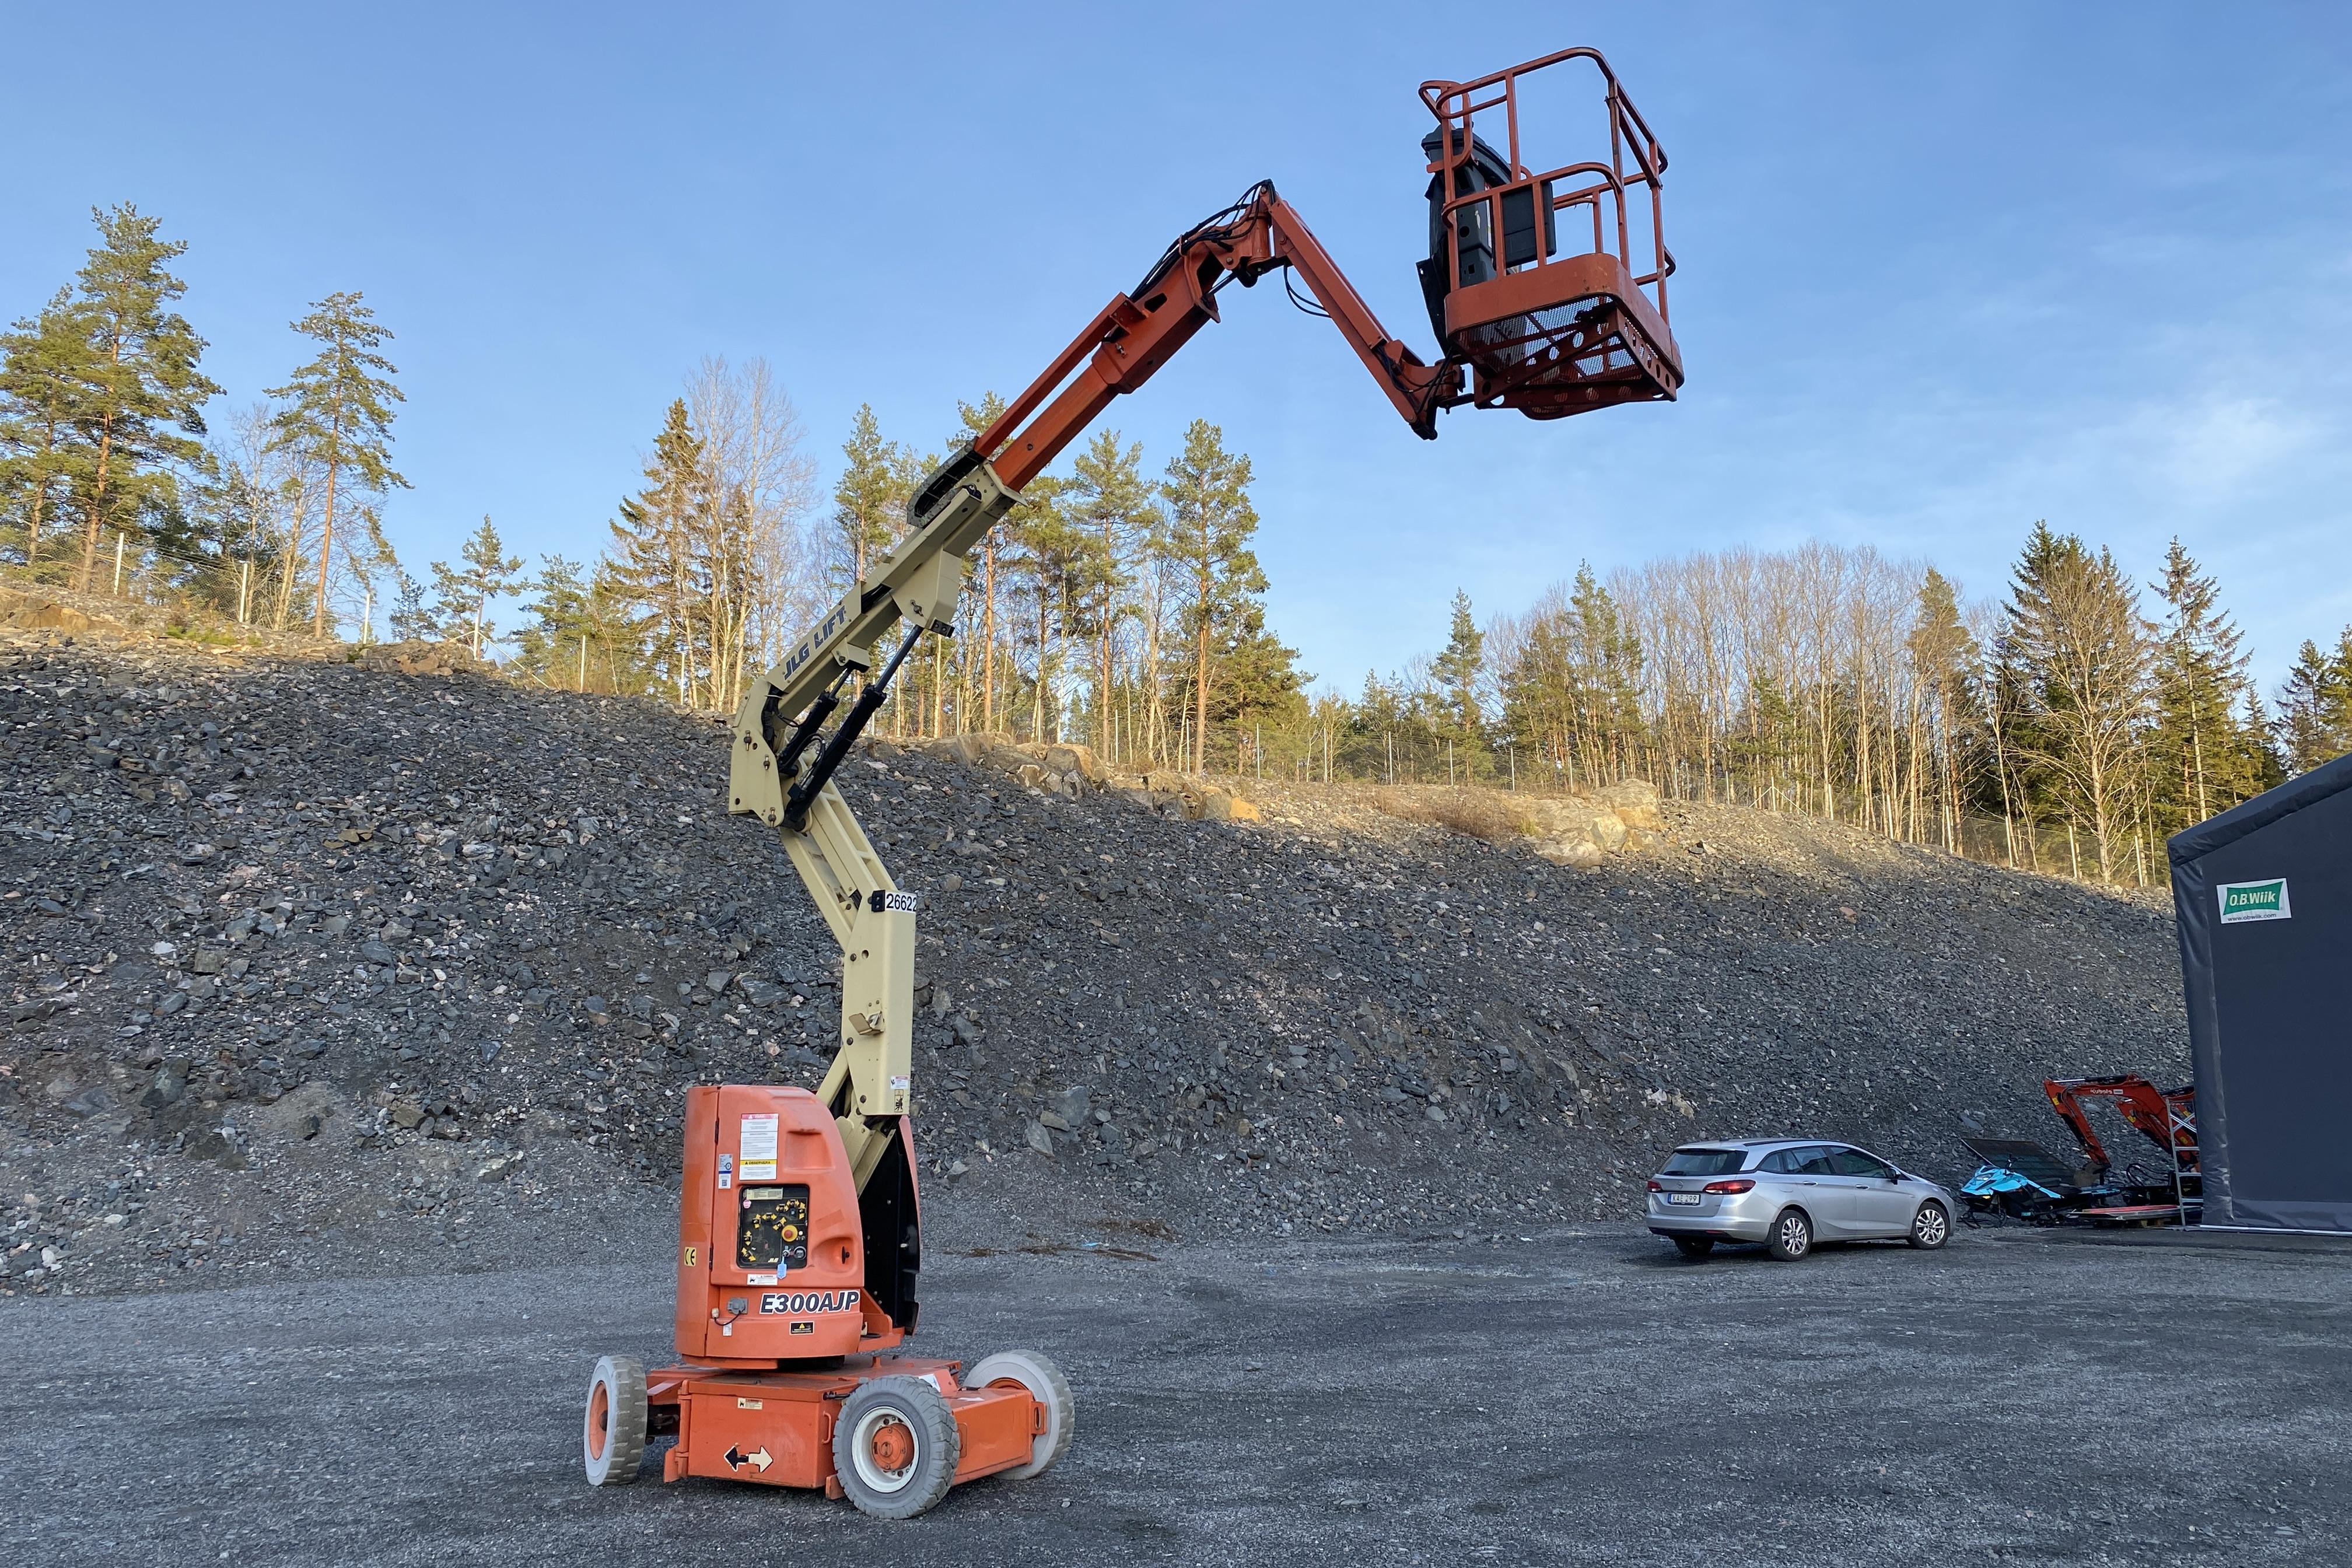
(584, 663)
(118, 564)
(244, 592)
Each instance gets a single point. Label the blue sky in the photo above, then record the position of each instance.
(2087, 263)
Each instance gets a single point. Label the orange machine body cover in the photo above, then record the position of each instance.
(771, 1257)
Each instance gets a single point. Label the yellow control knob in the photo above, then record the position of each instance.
(791, 1232)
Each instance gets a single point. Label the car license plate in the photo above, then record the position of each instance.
(1690, 1199)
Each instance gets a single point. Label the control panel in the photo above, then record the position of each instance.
(771, 1227)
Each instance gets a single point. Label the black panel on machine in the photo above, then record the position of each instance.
(771, 1231)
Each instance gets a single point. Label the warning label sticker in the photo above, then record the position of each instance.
(759, 1139)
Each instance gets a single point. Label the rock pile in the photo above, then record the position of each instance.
(1581, 828)
(36, 610)
(419, 658)
(309, 964)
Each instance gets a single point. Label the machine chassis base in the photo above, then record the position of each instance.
(776, 1429)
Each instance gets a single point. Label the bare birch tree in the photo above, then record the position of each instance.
(763, 557)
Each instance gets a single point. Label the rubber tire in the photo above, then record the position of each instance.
(1942, 1231)
(938, 1445)
(1783, 1247)
(1694, 1248)
(622, 1383)
(1049, 1388)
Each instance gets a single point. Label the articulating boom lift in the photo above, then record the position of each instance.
(800, 1231)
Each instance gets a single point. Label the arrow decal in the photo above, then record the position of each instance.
(758, 1459)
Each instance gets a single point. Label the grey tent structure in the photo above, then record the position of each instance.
(2263, 893)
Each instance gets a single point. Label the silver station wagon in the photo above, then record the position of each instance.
(1791, 1194)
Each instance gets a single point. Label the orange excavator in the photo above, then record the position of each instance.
(799, 1227)
(2025, 1180)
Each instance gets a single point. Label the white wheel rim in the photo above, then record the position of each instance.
(861, 1448)
(1792, 1233)
(1930, 1224)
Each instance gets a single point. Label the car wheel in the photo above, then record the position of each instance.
(1931, 1227)
(1792, 1236)
(1694, 1247)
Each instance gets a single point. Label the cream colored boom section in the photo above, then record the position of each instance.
(868, 1085)
(917, 582)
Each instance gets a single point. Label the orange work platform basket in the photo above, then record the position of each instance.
(1548, 324)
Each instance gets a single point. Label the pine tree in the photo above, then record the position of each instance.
(1110, 504)
(1378, 713)
(412, 617)
(2315, 706)
(608, 620)
(338, 415)
(1771, 719)
(1458, 670)
(575, 637)
(1570, 680)
(2081, 648)
(655, 565)
(2203, 756)
(1604, 667)
(1257, 676)
(1049, 553)
(464, 596)
(977, 417)
(1005, 553)
(1208, 525)
(370, 561)
(137, 412)
(869, 501)
(2269, 762)
(556, 614)
(1943, 661)
(1532, 681)
(44, 365)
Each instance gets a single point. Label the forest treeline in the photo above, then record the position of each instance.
(111, 479)
(2068, 723)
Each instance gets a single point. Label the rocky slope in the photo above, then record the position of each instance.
(311, 967)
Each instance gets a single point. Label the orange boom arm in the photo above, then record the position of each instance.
(1138, 332)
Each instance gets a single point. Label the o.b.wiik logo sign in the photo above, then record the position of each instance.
(2254, 901)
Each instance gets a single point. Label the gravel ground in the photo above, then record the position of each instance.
(1579, 1397)
(312, 969)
